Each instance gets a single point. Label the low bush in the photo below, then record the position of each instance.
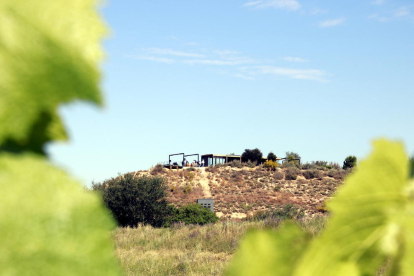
(157, 169)
(308, 166)
(291, 173)
(270, 165)
(287, 211)
(235, 164)
(313, 173)
(212, 169)
(278, 175)
(192, 214)
(251, 164)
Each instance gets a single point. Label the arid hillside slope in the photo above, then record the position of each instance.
(239, 192)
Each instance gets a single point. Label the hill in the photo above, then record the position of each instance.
(239, 191)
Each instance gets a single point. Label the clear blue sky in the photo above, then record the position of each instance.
(320, 78)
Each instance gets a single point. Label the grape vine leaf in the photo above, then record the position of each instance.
(49, 51)
(266, 253)
(372, 224)
(49, 225)
(364, 228)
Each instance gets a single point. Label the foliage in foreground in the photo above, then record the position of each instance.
(372, 224)
(49, 225)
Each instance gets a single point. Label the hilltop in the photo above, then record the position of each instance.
(240, 191)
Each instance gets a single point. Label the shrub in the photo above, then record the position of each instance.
(325, 165)
(254, 155)
(133, 200)
(192, 214)
(292, 173)
(287, 211)
(411, 163)
(250, 164)
(309, 174)
(332, 173)
(278, 175)
(191, 169)
(271, 156)
(308, 166)
(157, 169)
(187, 189)
(235, 164)
(212, 169)
(350, 162)
(291, 156)
(270, 165)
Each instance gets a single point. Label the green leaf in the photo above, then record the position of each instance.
(364, 227)
(49, 51)
(50, 225)
(264, 253)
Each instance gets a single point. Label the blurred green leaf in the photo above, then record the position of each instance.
(364, 228)
(49, 225)
(371, 226)
(49, 51)
(265, 253)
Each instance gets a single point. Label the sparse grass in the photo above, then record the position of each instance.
(188, 250)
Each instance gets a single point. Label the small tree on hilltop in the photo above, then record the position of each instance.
(350, 162)
(271, 156)
(254, 155)
(290, 155)
(134, 200)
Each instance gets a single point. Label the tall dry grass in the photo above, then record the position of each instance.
(187, 250)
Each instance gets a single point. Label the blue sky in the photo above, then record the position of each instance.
(320, 78)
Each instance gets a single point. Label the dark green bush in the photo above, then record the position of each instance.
(411, 160)
(291, 173)
(254, 155)
(192, 214)
(134, 200)
(349, 162)
(271, 156)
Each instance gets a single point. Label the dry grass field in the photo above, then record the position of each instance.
(188, 249)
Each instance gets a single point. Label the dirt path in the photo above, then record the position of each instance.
(204, 183)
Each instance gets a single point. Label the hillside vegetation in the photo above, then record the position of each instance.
(241, 191)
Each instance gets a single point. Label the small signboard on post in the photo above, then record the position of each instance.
(206, 203)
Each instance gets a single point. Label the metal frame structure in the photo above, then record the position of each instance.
(169, 157)
(198, 156)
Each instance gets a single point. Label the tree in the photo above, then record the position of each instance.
(271, 156)
(254, 155)
(411, 161)
(290, 155)
(350, 162)
(134, 200)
